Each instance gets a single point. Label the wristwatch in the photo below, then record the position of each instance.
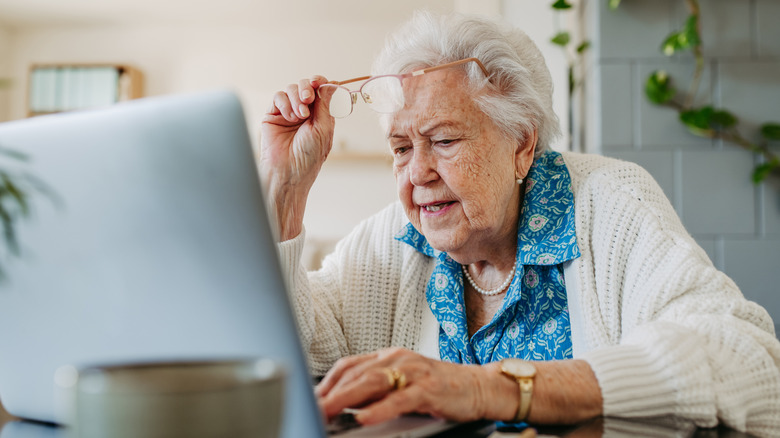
(523, 372)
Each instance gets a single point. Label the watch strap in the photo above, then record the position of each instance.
(526, 385)
(523, 373)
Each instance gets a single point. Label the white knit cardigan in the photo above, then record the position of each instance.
(664, 331)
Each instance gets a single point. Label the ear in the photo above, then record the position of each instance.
(524, 154)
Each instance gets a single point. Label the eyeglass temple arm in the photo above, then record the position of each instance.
(421, 72)
(451, 64)
(349, 81)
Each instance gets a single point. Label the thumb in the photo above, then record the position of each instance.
(324, 98)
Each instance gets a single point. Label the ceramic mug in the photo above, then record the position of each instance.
(235, 398)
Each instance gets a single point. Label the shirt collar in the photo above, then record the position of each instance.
(546, 232)
(409, 235)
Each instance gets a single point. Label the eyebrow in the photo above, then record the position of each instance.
(427, 128)
(437, 124)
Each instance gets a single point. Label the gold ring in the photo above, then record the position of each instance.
(395, 378)
(399, 379)
(390, 376)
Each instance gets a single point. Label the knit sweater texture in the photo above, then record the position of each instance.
(665, 332)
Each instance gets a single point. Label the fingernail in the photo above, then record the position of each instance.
(360, 415)
(304, 110)
(306, 94)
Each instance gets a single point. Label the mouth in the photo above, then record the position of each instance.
(435, 207)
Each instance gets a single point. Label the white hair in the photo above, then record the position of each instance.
(517, 95)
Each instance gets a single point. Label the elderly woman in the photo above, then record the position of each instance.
(513, 282)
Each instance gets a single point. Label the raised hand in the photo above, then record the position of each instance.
(296, 137)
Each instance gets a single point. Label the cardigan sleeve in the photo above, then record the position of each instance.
(316, 305)
(367, 295)
(669, 334)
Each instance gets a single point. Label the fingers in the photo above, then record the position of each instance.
(305, 92)
(358, 380)
(336, 373)
(317, 80)
(375, 384)
(370, 385)
(308, 88)
(350, 368)
(321, 104)
(411, 399)
(288, 104)
(293, 104)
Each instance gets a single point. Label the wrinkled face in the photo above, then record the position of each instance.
(454, 170)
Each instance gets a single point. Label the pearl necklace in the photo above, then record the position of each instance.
(495, 291)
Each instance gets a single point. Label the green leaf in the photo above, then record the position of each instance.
(561, 39)
(722, 119)
(671, 44)
(763, 170)
(676, 42)
(695, 118)
(561, 4)
(706, 120)
(690, 33)
(613, 4)
(16, 193)
(658, 87)
(684, 39)
(9, 233)
(698, 121)
(583, 47)
(771, 131)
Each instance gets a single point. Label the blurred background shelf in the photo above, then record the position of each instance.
(55, 88)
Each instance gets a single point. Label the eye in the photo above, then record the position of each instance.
(400, 150)
(445, 142)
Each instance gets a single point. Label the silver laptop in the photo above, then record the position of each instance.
(155, 246)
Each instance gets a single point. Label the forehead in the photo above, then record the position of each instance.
(437, 96)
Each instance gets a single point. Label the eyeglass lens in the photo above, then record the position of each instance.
(340, 99)
(383, 94)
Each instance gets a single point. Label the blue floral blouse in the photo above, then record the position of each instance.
(533, 321)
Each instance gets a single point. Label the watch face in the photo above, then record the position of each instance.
(518, 368)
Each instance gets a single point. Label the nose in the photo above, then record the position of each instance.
(422, 168)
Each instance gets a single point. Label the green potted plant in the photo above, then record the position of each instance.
(16, 189)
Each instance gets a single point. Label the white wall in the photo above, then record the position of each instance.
(5, 70)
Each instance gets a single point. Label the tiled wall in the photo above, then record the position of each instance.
(708, 182)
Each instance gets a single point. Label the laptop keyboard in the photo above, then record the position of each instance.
(341, 423)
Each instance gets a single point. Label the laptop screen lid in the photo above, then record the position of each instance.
(158, 247)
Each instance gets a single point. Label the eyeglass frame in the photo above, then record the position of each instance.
(353, 93)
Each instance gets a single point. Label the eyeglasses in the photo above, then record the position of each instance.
(383, 94)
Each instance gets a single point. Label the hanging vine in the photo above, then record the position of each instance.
(703, 121)
(706, 121)
(573, 57)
